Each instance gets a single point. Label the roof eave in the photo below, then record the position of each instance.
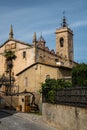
(55, 66)
(15, 41)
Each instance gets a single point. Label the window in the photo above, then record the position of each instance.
(61, 42)
(13, 45)
(7, 47)
(24, 54)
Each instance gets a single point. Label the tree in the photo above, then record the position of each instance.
(10, 56)
(79, 75)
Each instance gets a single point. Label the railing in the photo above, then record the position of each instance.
(70, 96)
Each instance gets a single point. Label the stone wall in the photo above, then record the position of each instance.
(65, 117)
(8, 101)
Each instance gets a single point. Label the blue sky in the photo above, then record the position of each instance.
(43, 17)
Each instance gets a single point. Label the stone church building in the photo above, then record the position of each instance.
(35, 62)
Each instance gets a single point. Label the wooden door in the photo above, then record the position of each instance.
(27, 103)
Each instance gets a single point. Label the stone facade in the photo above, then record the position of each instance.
(25, 56)
(32, 77)
(64, 43)
(19, 48)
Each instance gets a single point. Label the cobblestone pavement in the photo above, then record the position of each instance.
(23, 121)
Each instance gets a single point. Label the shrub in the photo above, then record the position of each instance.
(50, 86)
(79, 75)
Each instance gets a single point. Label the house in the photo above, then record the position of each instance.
(31, 78)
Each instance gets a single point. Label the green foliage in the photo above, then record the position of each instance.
(51, 96)
(79, 75)
(10, 55)
(50, 86)
(61, 83)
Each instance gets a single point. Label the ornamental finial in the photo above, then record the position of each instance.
(11, 32)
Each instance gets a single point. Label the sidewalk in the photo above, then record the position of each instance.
(36, 118)
(28, 116)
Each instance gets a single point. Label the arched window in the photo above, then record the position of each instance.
(61, 42)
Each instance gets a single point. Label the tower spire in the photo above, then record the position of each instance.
(64, 22)
(11, 32)
(34, 37)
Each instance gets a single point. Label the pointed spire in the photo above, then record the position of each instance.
(11, 32)
(34, 37)
(64, 22)
(41, 39)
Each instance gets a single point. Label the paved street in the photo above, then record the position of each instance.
(23, 121)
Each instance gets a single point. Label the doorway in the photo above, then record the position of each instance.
(27, 103)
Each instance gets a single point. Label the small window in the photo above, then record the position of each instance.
(13, 45)
(24, 54)
(61, 42)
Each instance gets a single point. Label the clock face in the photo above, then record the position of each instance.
(61, 42)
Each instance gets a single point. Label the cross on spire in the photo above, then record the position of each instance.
(64, 22)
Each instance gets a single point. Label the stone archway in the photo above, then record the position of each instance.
(27, 101)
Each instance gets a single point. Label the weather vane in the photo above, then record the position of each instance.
(64, 13)
(64, 23)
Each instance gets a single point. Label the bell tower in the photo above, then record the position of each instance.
(64, 41)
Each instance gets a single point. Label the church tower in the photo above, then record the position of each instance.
(64, 41)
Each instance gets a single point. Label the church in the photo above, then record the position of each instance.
(35, 63)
